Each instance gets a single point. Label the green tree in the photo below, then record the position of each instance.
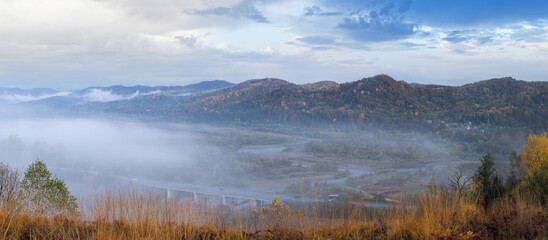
(45, 193)
(487, 185)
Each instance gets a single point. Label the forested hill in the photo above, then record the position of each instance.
(378, 99)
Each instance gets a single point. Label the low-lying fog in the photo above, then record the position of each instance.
(90, 154)
(74, 147)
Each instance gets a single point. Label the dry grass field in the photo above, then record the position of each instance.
(132, 214)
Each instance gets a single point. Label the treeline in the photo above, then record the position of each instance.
(528, 176)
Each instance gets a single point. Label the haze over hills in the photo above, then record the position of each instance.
(378, 99)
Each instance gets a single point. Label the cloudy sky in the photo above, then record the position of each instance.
(68, 44)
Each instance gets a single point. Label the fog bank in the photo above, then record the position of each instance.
(117, 148)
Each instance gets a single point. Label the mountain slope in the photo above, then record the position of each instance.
(503, 101)
(379, 99)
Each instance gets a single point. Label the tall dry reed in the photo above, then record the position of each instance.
(139, 214)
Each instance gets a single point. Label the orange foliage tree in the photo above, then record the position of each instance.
(535, 165)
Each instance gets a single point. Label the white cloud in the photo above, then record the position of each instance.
(99, 95)
(150, 93)
(269, 50)
(70, 44)
(15, 98)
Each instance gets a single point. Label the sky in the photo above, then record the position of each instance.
(71, 44)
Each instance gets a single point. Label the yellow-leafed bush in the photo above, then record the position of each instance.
(535, 165)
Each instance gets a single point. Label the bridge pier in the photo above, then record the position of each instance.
(224, 199)
(168, 193)
(195, 195)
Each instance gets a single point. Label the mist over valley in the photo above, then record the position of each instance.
(374, 136)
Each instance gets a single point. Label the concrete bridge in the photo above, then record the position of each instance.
(218, 198)
(232, 197)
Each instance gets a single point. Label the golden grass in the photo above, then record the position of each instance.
(138, 214)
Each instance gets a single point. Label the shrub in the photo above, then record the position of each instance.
(277, 216)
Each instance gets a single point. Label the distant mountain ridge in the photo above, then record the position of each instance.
(106, 94)
(209, 85)
(381, 99)
(378, 99)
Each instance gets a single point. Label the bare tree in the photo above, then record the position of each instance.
(9, 186)
(458, 182)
